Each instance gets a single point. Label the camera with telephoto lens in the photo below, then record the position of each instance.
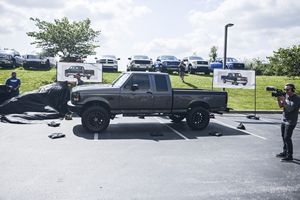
(275, 92)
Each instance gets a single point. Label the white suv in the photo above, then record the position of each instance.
(196, 64)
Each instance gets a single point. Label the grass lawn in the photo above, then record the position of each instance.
(239, 99)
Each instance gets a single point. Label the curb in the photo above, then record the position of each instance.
(257, 112)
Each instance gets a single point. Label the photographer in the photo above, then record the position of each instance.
(290, 103)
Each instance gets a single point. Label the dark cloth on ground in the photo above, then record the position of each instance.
(50, 100)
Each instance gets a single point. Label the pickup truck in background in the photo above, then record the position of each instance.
(10, 58)
(234, 78)
(231, 63)
(196, 64)
(73, 70)
(140, 63)
(144, 94)
(109, 63)
(167, 63)
(34, 61)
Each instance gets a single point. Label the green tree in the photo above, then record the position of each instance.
(213, 53)
(286, 61)
(71, 40)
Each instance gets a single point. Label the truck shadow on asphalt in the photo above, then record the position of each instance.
(157, 132)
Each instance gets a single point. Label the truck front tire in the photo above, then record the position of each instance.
(197, 118)
(95, 119)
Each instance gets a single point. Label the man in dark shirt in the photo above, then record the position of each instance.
(290, 104)
(13, 83)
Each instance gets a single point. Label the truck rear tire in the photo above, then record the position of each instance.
(197, 118)
(176, 118)
(95, 119)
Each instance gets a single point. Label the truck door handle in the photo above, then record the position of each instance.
(148, 92)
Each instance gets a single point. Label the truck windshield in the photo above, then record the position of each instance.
(120, 80)
(33, 57)
(139, 57)
(168, 58)
(231, 60)
(196, 58)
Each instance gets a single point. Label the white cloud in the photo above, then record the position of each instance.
(131, 26)
(260, 27)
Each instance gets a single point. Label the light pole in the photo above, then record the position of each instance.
(225, 44)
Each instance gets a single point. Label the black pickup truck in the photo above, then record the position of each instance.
(144, 94)
(73, 70)
(234, 78)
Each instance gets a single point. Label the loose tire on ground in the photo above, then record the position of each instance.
(95, 119)
(176, 118)
(197, 118)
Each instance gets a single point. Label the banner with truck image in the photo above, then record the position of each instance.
(227, 78)
(89, 72)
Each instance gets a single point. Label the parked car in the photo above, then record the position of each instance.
(34, 61)
(234, 78)
(10, 58)
(144, 94)
(196, 64)
(109, 63)
(140, 63)
(231, 63)
(167, 63)
(73, 70)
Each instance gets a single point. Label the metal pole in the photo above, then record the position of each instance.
(225, 46)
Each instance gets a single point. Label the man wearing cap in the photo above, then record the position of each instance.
(13, 84)
(290, 104)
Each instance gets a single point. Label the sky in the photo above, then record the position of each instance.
(157, 27)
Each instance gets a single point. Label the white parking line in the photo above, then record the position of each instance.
(240, 129)
(175, 131)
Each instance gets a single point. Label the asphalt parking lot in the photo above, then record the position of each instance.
(149, 158)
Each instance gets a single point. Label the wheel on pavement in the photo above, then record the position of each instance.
(197, 118)
(95, 119)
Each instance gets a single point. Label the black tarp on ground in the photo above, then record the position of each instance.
(49, 102)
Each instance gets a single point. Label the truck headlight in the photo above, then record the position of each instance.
(75, 97)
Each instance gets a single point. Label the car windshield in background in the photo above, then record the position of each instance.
(169, 58)
(231, 60)
(196, 58)
(109, 56)
(140, 57)
(120, 80)
(33, 57)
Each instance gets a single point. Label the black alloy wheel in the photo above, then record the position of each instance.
(95, 119)
(198, 118)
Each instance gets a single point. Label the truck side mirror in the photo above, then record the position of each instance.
(129, 58)
(158, 60)
(134, 87)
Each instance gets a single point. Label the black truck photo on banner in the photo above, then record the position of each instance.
(89, 72)
(227, 78)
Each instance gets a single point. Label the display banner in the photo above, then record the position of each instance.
(89, 72)
(228, 78)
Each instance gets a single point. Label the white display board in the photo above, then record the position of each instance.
(89, 72)
(227, 78)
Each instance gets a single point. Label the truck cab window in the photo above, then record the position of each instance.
(161, 83)
(141, 80)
